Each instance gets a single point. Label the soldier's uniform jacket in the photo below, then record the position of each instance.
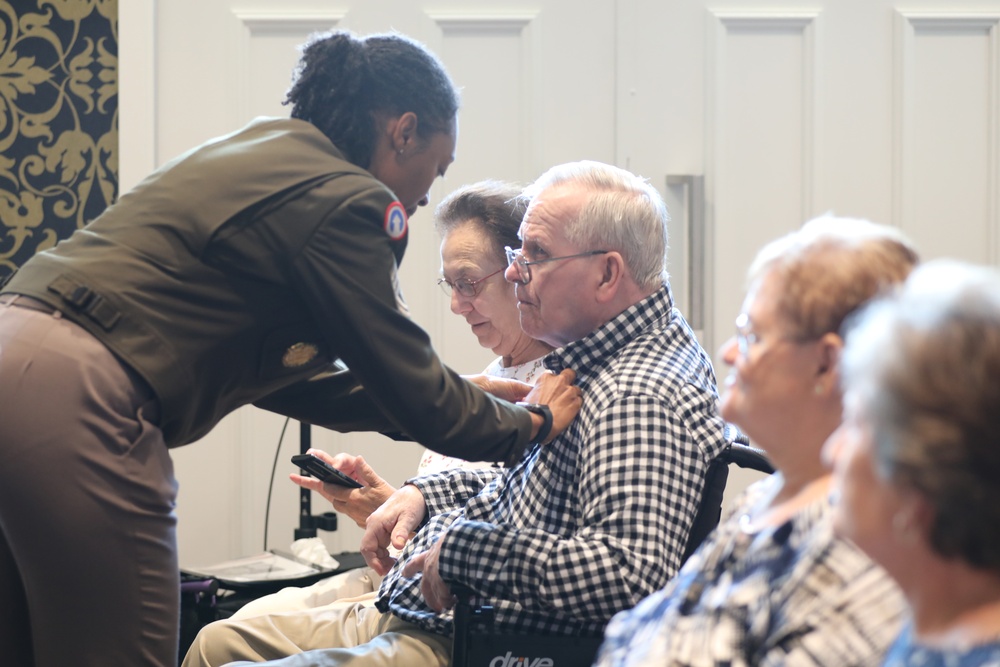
(242, 269)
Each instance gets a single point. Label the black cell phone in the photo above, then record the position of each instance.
(322, 470)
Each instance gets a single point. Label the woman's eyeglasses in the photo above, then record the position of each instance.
(745, 337)
(466, 288)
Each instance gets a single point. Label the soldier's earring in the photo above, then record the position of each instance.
(904, 525)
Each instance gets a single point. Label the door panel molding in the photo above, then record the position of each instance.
(966, 110)
(288, 22)
(491, 55)
(762, 22)
(763, 148)
(486, 21)
(267, 45)
(523, 60)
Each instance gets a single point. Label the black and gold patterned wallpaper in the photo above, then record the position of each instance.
(58, 121)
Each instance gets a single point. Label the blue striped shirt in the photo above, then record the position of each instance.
(792, 595)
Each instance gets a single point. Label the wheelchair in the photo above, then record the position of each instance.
(477, 646)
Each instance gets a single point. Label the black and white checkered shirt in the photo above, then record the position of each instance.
(595, 521)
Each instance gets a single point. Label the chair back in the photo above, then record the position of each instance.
(738, 452)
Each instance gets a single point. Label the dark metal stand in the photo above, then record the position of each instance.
(308, 522)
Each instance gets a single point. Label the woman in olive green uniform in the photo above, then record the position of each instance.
(234, 274)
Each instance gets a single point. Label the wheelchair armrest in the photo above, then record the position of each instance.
(746, 456)
(466, 618)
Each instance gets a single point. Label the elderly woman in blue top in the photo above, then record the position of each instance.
(917, 459)
(773, 585)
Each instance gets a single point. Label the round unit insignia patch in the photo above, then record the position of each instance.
(299, 354)
(395, 221)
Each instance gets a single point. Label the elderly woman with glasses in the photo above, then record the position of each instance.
(917, 462)
(474, 239)
(772, 585)
(475, 223)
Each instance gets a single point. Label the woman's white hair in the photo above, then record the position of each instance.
(924, 364)
(829, 267)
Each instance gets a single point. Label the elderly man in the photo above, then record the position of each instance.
(578, 529)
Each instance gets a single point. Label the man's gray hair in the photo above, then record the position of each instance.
(623, 213)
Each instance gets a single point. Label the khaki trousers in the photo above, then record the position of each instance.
(347, 632)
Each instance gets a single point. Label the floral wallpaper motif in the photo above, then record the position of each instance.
(58, 121)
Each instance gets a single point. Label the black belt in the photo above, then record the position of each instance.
(22, 301)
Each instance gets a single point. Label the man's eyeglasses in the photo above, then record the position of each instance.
(517, 260)
(467, 288)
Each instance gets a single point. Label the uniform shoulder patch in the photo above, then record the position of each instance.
(395, 221)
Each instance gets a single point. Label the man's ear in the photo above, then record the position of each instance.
(613, 271)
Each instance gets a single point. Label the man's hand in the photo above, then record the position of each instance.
(392, 524)
(563, 398)
(437, 593)
(355, 503)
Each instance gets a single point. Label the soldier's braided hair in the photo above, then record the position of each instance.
(345, 84)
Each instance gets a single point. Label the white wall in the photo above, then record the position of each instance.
(872, 108)
(192, 69)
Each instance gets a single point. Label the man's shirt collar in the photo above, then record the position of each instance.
(610, 337)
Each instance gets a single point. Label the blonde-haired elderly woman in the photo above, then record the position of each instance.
(917, 459)
(773, 585)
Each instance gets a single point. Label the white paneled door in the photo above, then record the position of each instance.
(766, 114)
(868, 108)
(763, 114)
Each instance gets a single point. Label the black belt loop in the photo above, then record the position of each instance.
(86, 301)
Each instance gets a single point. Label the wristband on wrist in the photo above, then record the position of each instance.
(546, 415)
